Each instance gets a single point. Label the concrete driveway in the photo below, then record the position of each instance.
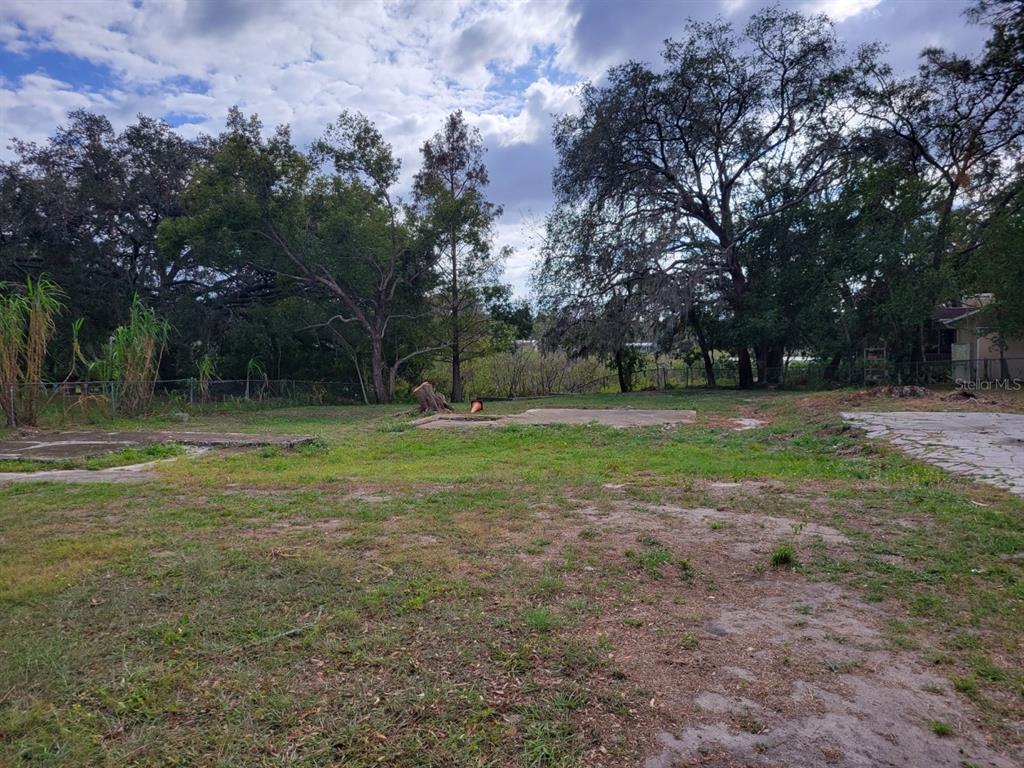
(986, 446)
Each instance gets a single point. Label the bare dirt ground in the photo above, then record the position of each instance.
(986, 446)
(57, 446)
(612, 417)
(748, 665)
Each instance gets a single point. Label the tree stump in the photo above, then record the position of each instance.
(430, 400)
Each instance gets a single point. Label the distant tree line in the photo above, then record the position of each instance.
(258, 254)
(763, 192)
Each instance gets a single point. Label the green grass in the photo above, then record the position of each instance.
(940, 728)
(783, 555)
(406, 597)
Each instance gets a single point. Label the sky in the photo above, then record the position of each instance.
(510, 65)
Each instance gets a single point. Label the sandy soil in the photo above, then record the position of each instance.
(749, 665)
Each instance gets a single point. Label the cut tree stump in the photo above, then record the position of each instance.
(430, 400)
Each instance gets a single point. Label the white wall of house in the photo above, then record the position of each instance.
(985, 350)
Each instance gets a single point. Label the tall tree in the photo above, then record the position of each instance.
(449, 190)
(958, 125)
(733, 129)
(327, 220)
(84, 206)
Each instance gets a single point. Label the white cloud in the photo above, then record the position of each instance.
(732, 6)
(300, 62)
(406, 65)
(532, 122)
(840, 10)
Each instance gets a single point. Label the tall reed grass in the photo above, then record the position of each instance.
(132, 357)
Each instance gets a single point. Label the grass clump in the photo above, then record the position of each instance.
(967, 684)
(540, 619)
(784, 555)
(654, 555)
(941, 728)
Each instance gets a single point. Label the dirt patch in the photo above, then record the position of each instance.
(297, 525)
(83, 444)
(743, 664)
(367, 495)
(611, 417)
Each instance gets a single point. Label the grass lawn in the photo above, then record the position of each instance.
(522, 596)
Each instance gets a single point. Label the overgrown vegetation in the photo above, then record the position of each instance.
(12, 340)
(27, 323)
(131, 358)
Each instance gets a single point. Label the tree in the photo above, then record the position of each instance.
(327, 221)
(695, 157)
(958, 126)
(84, 207)
(449, 191)
(591, 310)
(515, 314)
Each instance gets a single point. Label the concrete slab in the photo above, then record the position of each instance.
(85, 443)
(133, 473)
(985, 446)
(612, 417)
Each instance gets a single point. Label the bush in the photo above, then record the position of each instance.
(526, 372)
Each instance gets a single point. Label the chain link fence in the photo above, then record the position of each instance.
(96, 401)
(995, 373)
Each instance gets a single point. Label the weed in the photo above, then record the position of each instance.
(537, 546)
(783, 555)
(966, 684)
(652, 557)
(548, 585)
(540, 619)
(941, 728)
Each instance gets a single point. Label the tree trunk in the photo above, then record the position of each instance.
(705, 352)
(625, 383)
(380, 388)
(456, 340)
(745, 369)
(774, 361)
(832, 369)
(430, 400)
(456, 369)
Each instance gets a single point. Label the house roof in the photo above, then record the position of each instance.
(949, 315)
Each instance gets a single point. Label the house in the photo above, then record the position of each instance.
(976, 350)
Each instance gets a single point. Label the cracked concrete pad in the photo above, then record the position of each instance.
(611, 417)
(82, 444)
(985, 446)
(132, 473)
